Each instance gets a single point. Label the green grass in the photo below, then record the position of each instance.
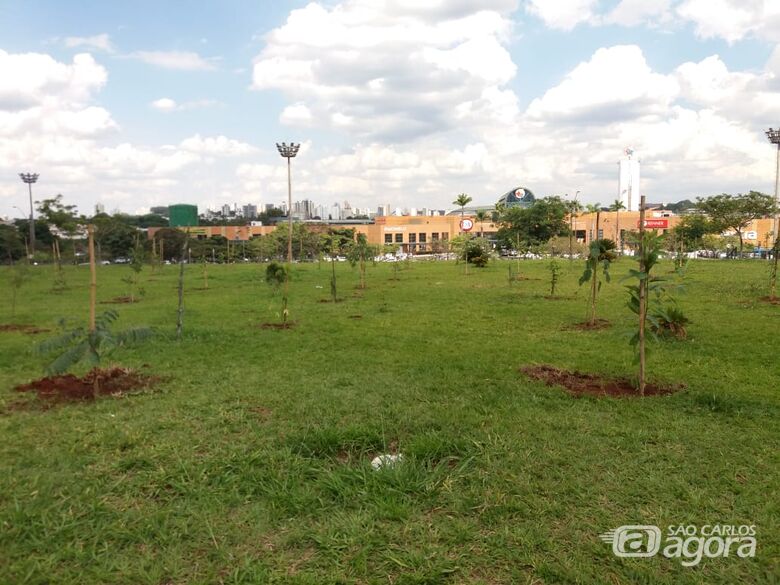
(251, 462)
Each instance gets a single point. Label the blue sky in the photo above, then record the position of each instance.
(400, 102)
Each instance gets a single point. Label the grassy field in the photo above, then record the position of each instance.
(250, 463)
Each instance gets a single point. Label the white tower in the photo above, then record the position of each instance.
(628, 182)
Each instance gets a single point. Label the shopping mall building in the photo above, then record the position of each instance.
(431, 233)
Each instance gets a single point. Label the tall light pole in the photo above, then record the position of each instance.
(30, 178)
(774, 137)
(572, 212)
(288, 152)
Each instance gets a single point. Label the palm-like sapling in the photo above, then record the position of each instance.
(90, 346)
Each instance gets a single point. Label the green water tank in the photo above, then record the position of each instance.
(183, 215)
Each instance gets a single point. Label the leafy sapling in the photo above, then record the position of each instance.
(555, 268)
(90, 346)
(276, 277)
(600, 253)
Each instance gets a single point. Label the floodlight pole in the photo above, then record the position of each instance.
(288, 152)
(30, 178)
(774, 137)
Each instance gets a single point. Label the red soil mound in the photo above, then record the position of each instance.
(581, 384)
(69, 388)
(28, 329)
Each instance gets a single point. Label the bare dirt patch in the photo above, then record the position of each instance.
(588, 326)
(119, 301)
(278, 326)
(770, 300)
(70, 388)
(355, 317)
(27, 329)
(581, 384)
(260, 411)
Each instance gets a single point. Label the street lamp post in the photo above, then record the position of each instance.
(288, 151)
(774, 137)
(30, 178)
(572, 211)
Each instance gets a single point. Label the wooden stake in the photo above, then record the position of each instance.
(642, 296)
(180, 313)
(92, 277)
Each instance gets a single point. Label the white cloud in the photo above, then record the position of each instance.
(34, 79)
(616, 84)
(394, 71)
(50, 123)
(181, 60)
(164, 104)
(101, 42)
(297, 114)
(636, 12)
(563, 14)
(216, 146)
(733, 20)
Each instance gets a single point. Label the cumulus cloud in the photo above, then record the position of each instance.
(49, 121)
(180, 60)
(636, 12)
(34, 79)
(733, 20)
(392, 72)
(616, 84)
(563, 14)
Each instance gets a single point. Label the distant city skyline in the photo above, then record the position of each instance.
(135, 105)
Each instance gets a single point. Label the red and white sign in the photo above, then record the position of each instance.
(466, 225)
(655, 223)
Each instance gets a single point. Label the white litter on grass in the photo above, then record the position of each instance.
(318, 286)
(387, 460)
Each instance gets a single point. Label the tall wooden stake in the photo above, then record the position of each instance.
(180, 314)
(92, 277)
(642, 296)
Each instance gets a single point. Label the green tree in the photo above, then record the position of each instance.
(462, 201)
(53, 211)
(736, 212)
(691, 230)
(617, 206)
(481, 217)
(573, 209)
(11, 244)
(533, 225)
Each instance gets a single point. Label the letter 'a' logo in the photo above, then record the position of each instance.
(634, 540)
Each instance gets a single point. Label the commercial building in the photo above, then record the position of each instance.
(183, 215)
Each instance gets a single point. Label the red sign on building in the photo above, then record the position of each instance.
(655, 223)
